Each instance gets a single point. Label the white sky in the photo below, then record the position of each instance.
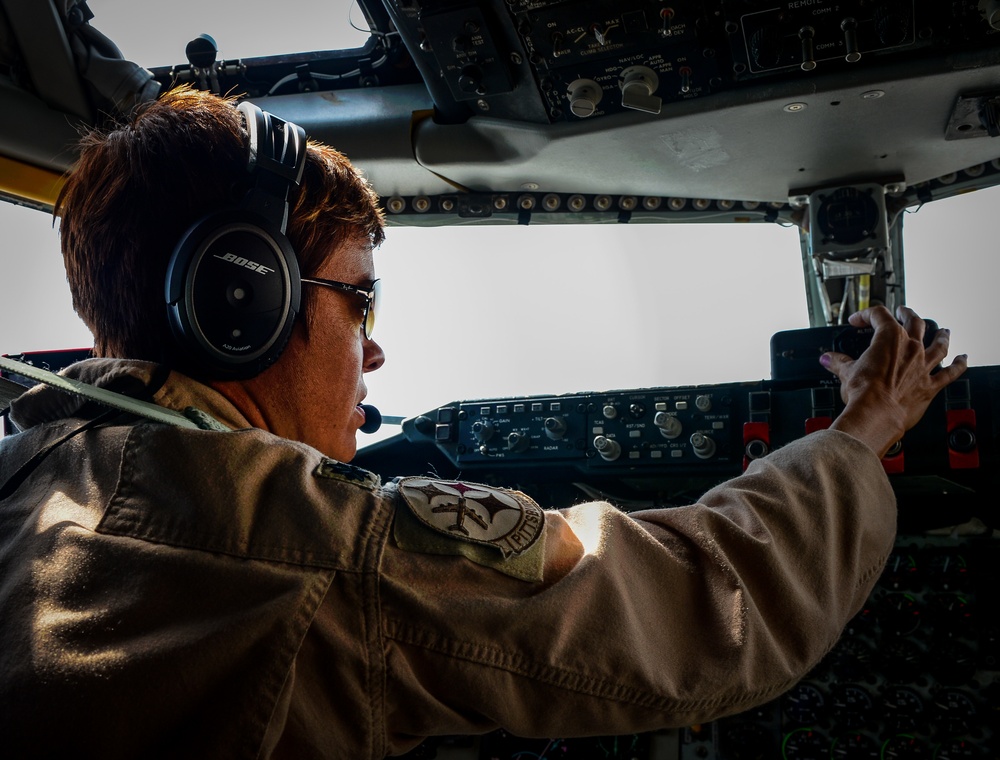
(501, 311)
(240, 29)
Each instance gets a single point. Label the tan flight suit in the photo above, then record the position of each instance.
(217, 593)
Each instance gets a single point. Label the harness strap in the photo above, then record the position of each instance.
(21, 473)
(102, 396)
(9, 390)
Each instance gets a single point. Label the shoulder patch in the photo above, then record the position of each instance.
(507, 521)
(331, 469)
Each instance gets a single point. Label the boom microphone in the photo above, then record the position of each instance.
(373, 418)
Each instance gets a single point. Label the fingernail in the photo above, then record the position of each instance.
(825, 360)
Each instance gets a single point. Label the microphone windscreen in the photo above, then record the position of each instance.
(373, 418)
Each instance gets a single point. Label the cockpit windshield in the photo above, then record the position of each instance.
(240, 30)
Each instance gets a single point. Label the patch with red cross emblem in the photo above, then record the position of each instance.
(508, 521)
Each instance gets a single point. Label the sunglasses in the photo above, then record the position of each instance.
(371, 297)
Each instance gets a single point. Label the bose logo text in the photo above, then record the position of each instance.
(242, 262)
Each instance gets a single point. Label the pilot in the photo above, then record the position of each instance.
(233, 587)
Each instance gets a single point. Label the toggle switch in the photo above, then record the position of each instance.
(808, 37)
(559, 48)
(850, 28)
(667, 20)
(685, 73)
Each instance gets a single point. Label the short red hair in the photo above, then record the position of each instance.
(139, 185)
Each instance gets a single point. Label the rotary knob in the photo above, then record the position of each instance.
(962, 439)
(608, 449)
(518, 442)
(892, 23)
(991, 12)
(424, 425)
(555, 427)
(670, 427)
(471, 80)
(765, 47)
(702, 445)
(584, 96)
(638, 83)
(757, 448)
(483, 430)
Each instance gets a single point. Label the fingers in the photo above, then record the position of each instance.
(952, 372)
(906, 329)
(881, 319)
(938, 348)
(915, 326)
(889, 387)
(873, 316)
(876, 316)
(836, 363)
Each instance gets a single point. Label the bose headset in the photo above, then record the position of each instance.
(233, 285)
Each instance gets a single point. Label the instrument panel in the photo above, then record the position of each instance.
(584, 60)
(653, 446)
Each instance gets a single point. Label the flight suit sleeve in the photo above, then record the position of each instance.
(657, 619)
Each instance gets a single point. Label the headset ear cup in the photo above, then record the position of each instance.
(232, 291)
(233, 285)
